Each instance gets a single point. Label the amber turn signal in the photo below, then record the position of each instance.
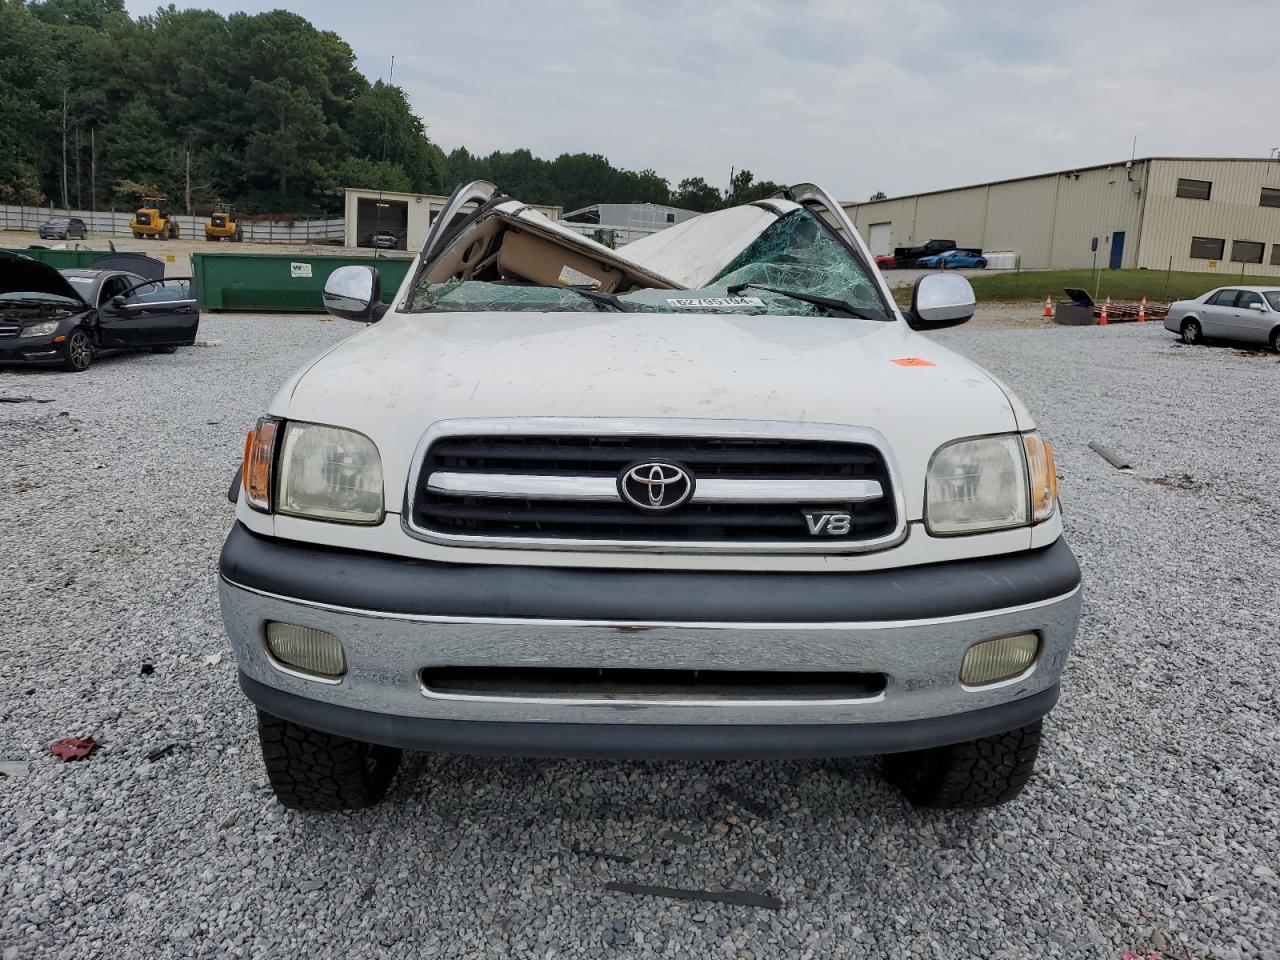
(1043, 475)
(259, 452)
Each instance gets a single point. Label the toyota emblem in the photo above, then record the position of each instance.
(655, 485)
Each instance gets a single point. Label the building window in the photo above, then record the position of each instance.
(671, 217)
(1207, 248)
(1194, 189)
(1270, 197)
(1275, 254)
(1247, 251)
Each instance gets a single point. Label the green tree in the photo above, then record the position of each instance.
(646, 187)
(694, 193)
(383, 126)
(744, 189)
(366, 174)
(138, 147)
(287, 138)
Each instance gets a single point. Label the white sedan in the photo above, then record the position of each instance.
(1248, 314)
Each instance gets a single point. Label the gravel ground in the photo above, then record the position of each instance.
(1152, 823)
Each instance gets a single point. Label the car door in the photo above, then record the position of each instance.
(117, 329)
(158, 313)
(1251, 320)
(1218, 313)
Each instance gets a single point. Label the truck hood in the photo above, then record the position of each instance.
(399, 376)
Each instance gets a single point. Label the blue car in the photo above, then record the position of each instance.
(953, 259)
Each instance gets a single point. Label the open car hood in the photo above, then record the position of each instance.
(481, 233)
(19, 274)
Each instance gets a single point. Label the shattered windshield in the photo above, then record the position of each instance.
(796, 253)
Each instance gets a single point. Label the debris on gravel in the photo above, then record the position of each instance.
(1152, 823)
(73, 748)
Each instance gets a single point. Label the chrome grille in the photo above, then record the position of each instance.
(9, 331)
(554, 484)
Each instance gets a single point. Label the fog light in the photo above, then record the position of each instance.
(999, 659)
(306, 648)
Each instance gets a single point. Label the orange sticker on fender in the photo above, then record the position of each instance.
(913, 362)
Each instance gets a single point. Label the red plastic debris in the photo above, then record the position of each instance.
(74, 748)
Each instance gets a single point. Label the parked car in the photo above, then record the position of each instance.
(886, 261)
(1246, 314)
(63, 228)
(385, 240)
(708, 495)
(953, 260)
(67, 317)
(907, 257)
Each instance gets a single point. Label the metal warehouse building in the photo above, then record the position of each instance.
(1188, 213)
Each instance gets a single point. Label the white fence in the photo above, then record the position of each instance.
(116, 224)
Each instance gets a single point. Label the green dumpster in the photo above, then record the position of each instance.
(280, 281)
(60, 259)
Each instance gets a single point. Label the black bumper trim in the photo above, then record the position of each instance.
(377, 582)
(638, 741)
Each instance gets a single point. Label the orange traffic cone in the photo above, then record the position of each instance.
(1048, 306)
(1102, 320)
(1142, 310)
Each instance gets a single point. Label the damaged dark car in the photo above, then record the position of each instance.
(68, 317)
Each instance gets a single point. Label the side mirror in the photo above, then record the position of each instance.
(940, 300)
(1257, 306)
(118, 301)
(354, 293)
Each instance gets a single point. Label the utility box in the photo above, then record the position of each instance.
(280, 282)
(1077, 312)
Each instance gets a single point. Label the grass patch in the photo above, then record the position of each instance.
(1156, 285)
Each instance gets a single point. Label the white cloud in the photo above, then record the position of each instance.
(900, 97)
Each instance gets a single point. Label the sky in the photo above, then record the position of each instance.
(893, 95)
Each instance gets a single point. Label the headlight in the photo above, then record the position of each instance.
(43, 329)
(327, 473)
(990, 483)
(977, 485)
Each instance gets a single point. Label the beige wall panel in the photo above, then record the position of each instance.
(1232, 212)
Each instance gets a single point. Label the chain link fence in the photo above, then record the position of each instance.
(115, 223)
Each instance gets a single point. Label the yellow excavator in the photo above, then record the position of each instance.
(152, 219)
(223, 223)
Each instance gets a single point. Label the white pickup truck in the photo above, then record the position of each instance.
(710, 495)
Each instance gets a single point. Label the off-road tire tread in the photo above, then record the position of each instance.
(313, 770)
(977, 773)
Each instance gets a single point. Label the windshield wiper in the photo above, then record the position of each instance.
(830, 304)
(607, 299)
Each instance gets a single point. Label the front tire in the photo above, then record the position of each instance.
(77, 352)
(313, 770)
(1275, 339)
(976, 773)
(164, 349)
(1191, 334)
(981, 264)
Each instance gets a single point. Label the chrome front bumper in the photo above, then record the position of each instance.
(386, 651)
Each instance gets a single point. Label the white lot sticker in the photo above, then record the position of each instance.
(703, 303)
(570, 277)
(300, 271)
